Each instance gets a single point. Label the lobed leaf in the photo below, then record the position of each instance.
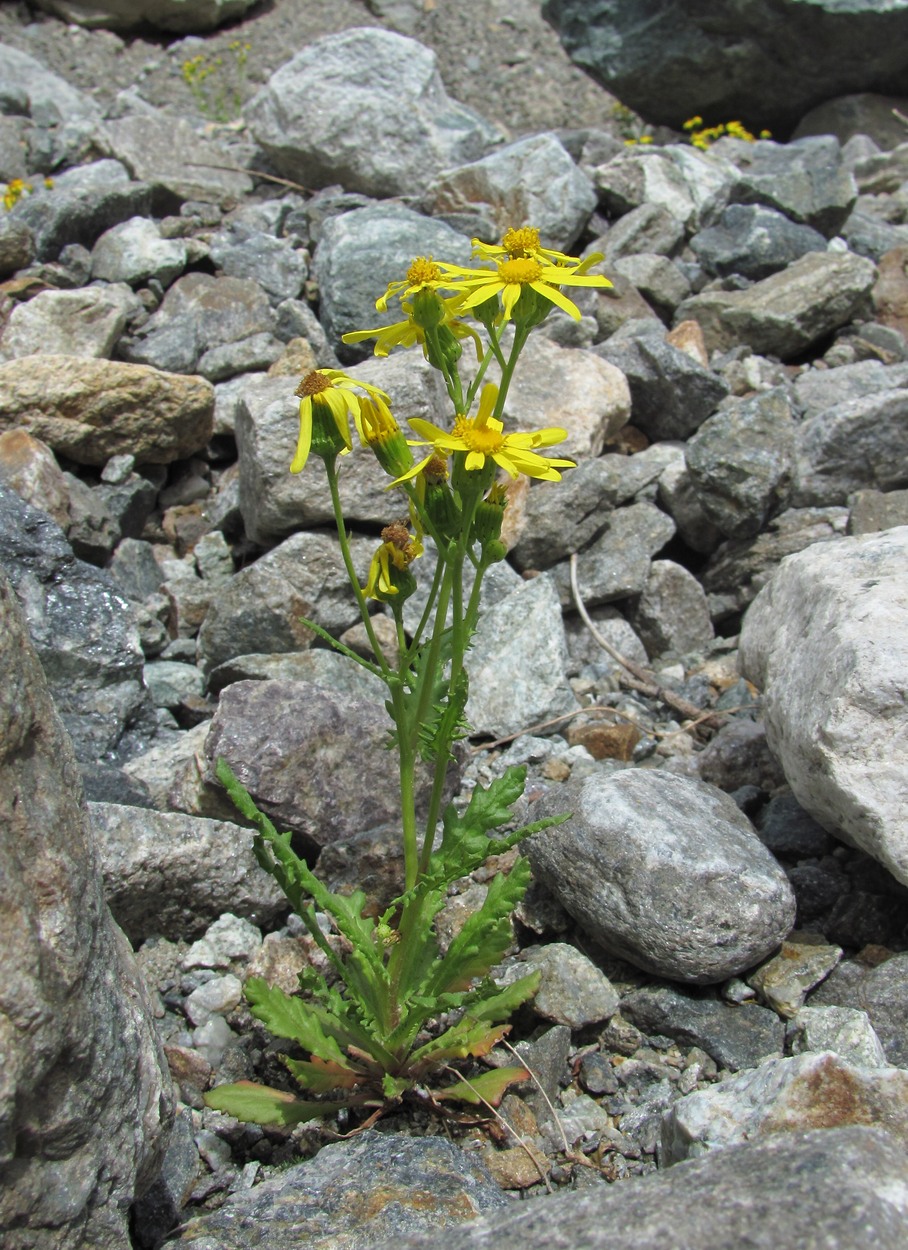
(260, 1104)
(487, 1088)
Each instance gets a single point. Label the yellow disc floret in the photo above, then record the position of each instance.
(521, 242)
(521, 269)
(423, 270)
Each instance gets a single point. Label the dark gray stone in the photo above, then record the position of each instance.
(560, 517)
(736, 1037)
(240, 251)
(817, 389)
(786, 829)
(665, 872)
(753, 241)
(671, 394)
(672, 615)
(17, 245)
(806, 180)
(763, 63)
(826, 1189)
(856, 445)
(353, 1193)
(741, 462)
(881, 991)
(617, 564)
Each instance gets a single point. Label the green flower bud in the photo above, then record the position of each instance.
(327, 439)
(488, 517)
(428, 309)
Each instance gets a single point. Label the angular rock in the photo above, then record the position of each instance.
(736, 1037)
(518, 661)
(555, 518)
(572, 990)
(672, 615)
(533, 180)
(872, 511)
(377, 1185)
(45, 95)
(786, 1096)
(360, 252)
(753, 241)
(86, 323)
(693, 186)
(318, 665)
(806, 180)
(784, 981)
(665, 872)
(85, 1082)
(241, 251)
(855, 445)
(816, 390)
(659, 281)
(827, 644)
(809, 1190)
(167, 154)
(30, 468)
(314, 761)
(671, 394)
(763, 63)
(880, 991)
(617, 564)
(135, 251)
(788, 312)
(741, 462)
(17, 246)
(90, 410)
(845, 1031)
(170, 875)
(179, 16)
(82, 628)
(646, 228)
(384, 125)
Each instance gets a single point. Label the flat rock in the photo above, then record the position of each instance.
(638, 872)
(827, 644)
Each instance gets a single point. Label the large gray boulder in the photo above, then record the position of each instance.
(765, 62)
(85, 1094)
(180, 16)
(365, 108)
(827, 642)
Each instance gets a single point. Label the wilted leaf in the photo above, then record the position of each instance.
(489, 1087)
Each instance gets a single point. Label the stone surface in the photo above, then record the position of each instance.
(693, 186)
(168, 875)
(85, 1083)
(765, 64)
(178, 16)
(810, 1190)
(378, 1185)
(90, 410)
(826, 643)
(786, 1096)
(788, 312)
(617, 564)
(384, 124)
(671, 615)
(572, 990)
(843, 1030)
(753, 241)
(855, 445)
(806, 180)
(880, 991)
(638, 872)
(168, 154)
(784, 981)
(135, 251)
(84, 323)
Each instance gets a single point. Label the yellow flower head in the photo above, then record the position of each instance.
(513, 275)
(389, 572)
(482, 438)
(424, 272)
(522, 244)
(408, 333)
(328, 397)
(379, 431)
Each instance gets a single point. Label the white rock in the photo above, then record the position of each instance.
(213, 998)
(844, 1030)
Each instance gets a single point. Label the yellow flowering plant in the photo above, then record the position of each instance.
(398, 1008)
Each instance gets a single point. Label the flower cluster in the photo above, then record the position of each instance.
(704, 137)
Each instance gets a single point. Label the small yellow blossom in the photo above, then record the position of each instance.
(520, 244)
(511, 276)
(334, 393)
(389, 572)
(482, 437)
(408, 333)
(423, 272)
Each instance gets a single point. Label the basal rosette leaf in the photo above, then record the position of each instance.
(260, 1104)
(473, 1031)
(319, 1077)
(286, 1016)
(489, 1088)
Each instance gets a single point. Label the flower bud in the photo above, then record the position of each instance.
(327, 439)
(428, 309)
(488, 517)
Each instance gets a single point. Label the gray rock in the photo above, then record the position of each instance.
(17, 246)
(671, 615)
(360, 252)
(316, 762)
(806, 1190)
(646, 228)
(736, 1037)
(199, 312)
(262, 606)
(229, 937)
(806, 180)
(786, 829)
(638, 871)
(318, 665)
(753, 241)
(46, 97)
(659, 280)
(556, 518)
(880, 991)
(671, 394)
(741, 462)
(786, 1096)
(82, 628)
(816, 390)
(170, 683)
(871, 511)
(826, 642)
(867, 235)
(678, 497)
(376, 1185)
(389, 139)
(864, 113)
(788, 312)
(740, 569)
(81, 205)
(855, 445)
(240, 251)
(84, 1079)
(693, 186)
(275, 502)
(179, 16)
(168, 874)
(134, 251)
(508, 693)
(532, 180)
(167, 154)
(617, 564)
(845, 1031)
(765, 64)
(572, 990)
(785, 980)
(84, 323)
(249, 355)
(90, 410)
(158, 1210)
(213, 998)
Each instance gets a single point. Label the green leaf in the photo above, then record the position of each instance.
(320, 1078)
(260, 1104)
(489, 1087)
(285, 1016)
(468, 1037)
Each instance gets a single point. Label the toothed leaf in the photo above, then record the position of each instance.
(260, 1104)
(489, 1087)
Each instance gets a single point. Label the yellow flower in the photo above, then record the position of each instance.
(389, 572)
(379, 431)
(423, 272)
(482, 437)
(512, 276)
(408, 333)
(331, 394)
(520, 244)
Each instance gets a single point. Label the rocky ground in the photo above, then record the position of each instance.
(722, 929)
